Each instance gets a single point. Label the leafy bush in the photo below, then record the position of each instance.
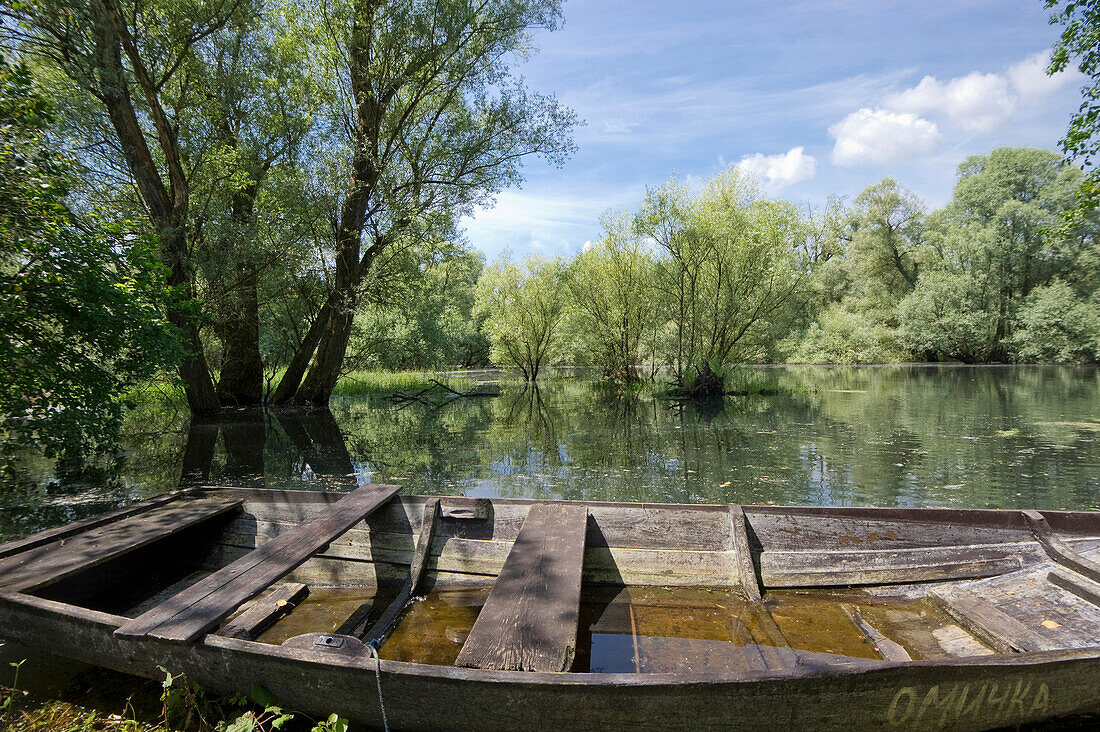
(1055, 325)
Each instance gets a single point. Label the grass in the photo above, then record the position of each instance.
(175, 705)
(383, 383)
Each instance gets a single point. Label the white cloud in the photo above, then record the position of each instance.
(882, 136)
(981, 102)
(976, 102)
(778, 171)
(1029, 78)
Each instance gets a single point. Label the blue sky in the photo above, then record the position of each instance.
(813, 98)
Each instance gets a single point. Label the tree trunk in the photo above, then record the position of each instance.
(329, 360)
(167, 207)
(242, 373)
(292, 377)
(194, 372)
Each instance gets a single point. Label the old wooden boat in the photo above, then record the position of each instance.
(505, 614)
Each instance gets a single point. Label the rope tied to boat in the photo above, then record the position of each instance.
(372, 647)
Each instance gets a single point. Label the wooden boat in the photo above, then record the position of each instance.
(504, 614)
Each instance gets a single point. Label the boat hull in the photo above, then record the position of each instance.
(979, 693)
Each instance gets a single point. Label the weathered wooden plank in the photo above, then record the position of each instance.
(61, 532)
(893, 566)
(787, 528)
(888, 649)
(46, 563)
(743, 553)
(200, 607)
(1000, 631)
(1058, 550)
(529, 622)
(643, 526)
(1087, 590)
(265, 611)
(388, 619)
(665, 567)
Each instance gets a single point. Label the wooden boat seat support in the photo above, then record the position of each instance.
(529, 621)
(194, 611)
(265, 611)
(356, 624)
(1058, 550)
(1001, 631)
(750, 584)
(889, 650)
(1085, 589)
(59, 554)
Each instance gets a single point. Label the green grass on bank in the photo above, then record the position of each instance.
(384, 383)
(110, 701)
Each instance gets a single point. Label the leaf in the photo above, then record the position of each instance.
(244, 723)
(1050, 624)
(262, 696)
(280, 721)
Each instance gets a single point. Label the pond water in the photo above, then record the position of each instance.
(988, 437)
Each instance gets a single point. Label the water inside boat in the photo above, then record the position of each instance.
(659, 629)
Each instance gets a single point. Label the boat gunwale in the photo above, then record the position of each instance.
(916, 515)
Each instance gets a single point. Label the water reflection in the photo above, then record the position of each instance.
(891, 436)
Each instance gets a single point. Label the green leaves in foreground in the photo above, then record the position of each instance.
(79, 303)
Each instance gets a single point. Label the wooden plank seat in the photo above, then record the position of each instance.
(63, 554)
(194, 611)
(529, 621)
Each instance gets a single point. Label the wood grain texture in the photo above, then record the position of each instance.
(743, 553)
(44, 563)
(814, 568)
(1000, 631)
(1087, 590)
(265, 611)
(529, 622)
(1058, 550)
(189, 614)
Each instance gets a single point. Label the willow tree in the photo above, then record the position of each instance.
(524, 309)
(436, 123)
(731, 270)
(612, 287)
(133, 59)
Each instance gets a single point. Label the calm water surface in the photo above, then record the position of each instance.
(987, 437)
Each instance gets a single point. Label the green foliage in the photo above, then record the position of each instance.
(946, 317)
(1080, 21)
(419, 314)
(333, 723)
(887, 228)
(80, 305)
(611, 285)
(730, 271)
(846, 333)
(951, 285)
(524, 308)
(362, 383)
(1056, 325)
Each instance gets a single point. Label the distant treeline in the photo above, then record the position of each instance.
(695, 281)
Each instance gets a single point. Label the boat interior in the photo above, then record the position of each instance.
(577, 587)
